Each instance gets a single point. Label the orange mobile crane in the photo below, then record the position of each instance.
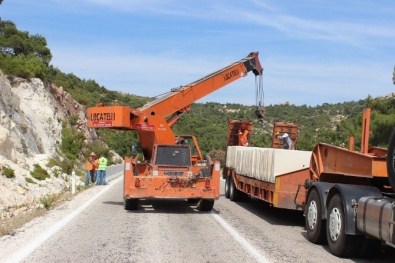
(171, 168)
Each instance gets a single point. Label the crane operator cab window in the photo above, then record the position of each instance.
(173, 155)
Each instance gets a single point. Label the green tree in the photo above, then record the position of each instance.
(72, 142)
(24, 66)
(14, 42)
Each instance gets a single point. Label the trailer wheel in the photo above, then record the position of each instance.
(131, 204)
(227, 186)
(315, 226)
(234, 193)
(391, 160)
(205, 205)
(340, 244)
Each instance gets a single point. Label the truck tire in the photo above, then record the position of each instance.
(205, 205)
(227, 186)
(340, 244)
(391, 160)
(131, 204)
(234, 193)
(315, 226)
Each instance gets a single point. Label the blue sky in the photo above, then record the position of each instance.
(312, 51)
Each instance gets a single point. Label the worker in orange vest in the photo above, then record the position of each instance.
(244, 137)
(91, 167)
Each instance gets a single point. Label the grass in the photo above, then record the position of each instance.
(47, 201)
(30, 180)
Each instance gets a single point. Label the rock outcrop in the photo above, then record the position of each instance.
(31, 116)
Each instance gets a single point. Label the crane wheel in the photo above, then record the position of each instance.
(193, 200)
(131, 204)
(205, 205)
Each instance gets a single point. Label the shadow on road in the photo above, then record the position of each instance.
(169, 206)
(275, 216)
(113, 203)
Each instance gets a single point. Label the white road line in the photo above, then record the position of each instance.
(25, 251)
(247, 246)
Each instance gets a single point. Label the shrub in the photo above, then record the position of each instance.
(56, 172)
(47, 202)
(67, 166)
(30, 180)
(72, 142)
(8, 172)
(53, 162)
(217, 155)
(73, 120)
(23, 66)
(39, 173)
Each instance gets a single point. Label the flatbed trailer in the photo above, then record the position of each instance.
(348, 197)
(273, 175)
(268, 175)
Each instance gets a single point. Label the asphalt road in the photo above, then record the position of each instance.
(94, 227)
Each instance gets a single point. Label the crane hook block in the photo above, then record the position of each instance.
(260, 113)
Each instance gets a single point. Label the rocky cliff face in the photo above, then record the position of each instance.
(31, 116)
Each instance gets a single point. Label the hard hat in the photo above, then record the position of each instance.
(92, 154)
(285, 135)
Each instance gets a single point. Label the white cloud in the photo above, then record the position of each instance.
(295, 79)
(140, 74)
(336, 54)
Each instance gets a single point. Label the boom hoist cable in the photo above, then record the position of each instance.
(259, 96)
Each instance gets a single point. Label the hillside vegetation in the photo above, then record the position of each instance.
(28, 56)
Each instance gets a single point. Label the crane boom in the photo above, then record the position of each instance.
(154, 120)
(180, 98)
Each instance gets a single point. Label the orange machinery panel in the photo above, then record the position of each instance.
(287, 192)
(290, 192)
(147, 185)
(109, 116)
(331, 161)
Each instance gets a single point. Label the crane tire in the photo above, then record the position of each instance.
(205, 205)
(131, 204)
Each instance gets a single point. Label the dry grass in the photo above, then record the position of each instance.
(10, 225)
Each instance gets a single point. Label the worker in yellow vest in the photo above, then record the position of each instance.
(101, 170)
